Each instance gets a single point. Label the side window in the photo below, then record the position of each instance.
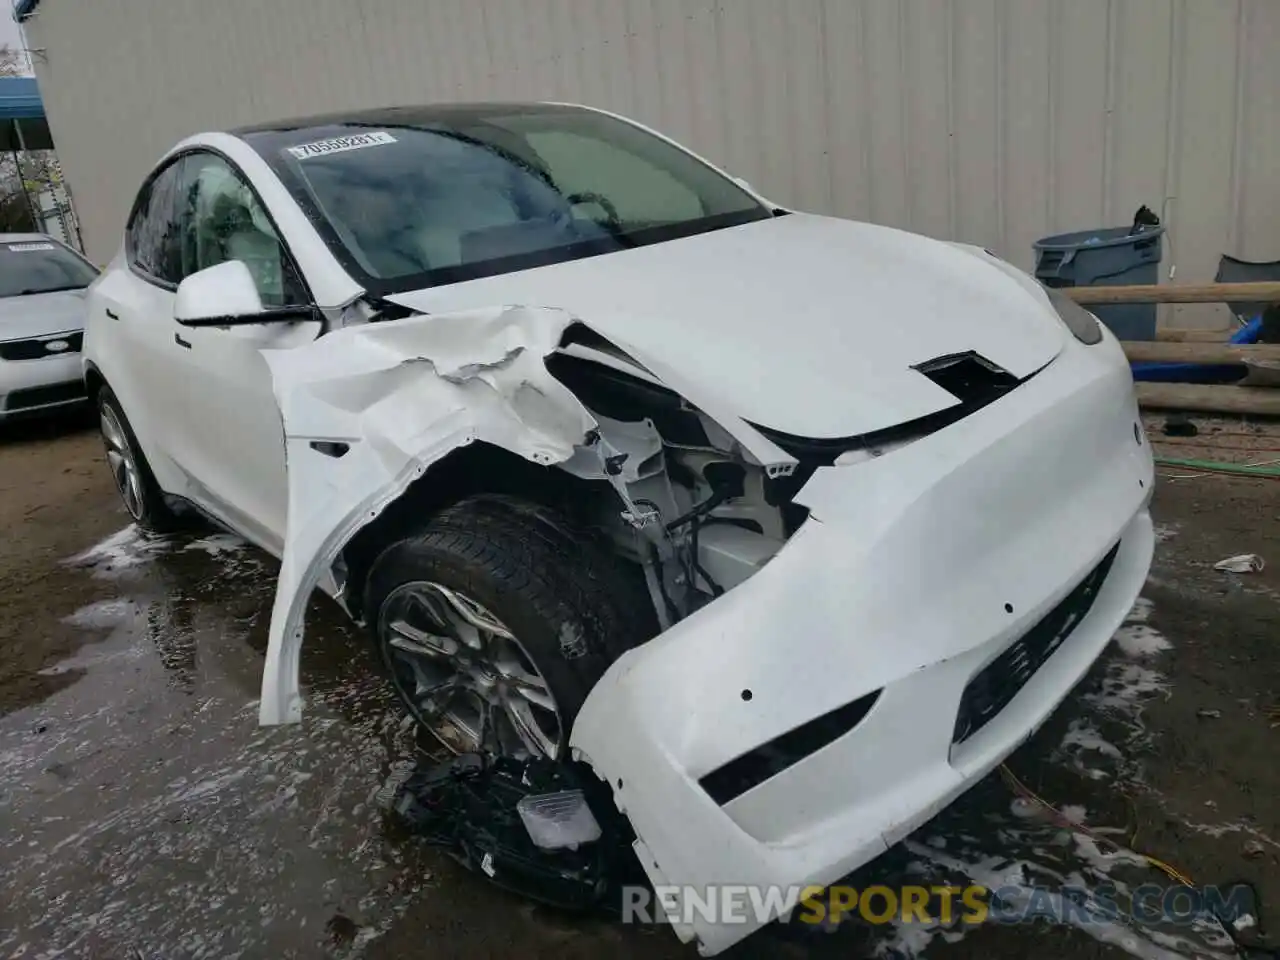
(222, 219)
(640, 191)
(152, 237)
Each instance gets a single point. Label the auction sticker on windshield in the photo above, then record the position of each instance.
(356, 141)
(29, 247)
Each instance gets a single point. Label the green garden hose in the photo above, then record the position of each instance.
(1217, 466)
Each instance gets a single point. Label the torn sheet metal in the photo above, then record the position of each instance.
(402, 395)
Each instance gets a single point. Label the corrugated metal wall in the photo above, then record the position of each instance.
(991, 121)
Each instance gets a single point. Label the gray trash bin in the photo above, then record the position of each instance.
(1110, 257)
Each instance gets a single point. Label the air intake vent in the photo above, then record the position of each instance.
(996, 684)
(769, 759)
(969, 377)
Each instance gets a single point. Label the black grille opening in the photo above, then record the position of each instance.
(41, 396)
(969, 377)
(769, 759)
(39, 348)
(996, 684)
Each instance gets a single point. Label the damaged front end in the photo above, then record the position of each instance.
(369, 409)
(914, 558)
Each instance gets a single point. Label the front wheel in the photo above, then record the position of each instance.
(496, 622)
(134, 482)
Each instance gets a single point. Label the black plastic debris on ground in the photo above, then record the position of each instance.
(468, 807)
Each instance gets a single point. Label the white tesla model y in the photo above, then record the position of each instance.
(791, 527)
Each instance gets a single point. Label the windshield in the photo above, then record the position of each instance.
(41, 266)
(424, 197)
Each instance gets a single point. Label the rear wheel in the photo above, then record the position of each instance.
(496, 622)
(129, 469)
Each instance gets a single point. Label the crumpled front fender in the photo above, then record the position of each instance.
(368, 409)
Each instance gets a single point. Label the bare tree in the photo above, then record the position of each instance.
(13, 61)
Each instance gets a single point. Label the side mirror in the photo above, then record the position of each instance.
(218, 295)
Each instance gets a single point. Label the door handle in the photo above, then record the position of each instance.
(177, 338)
(112, 315)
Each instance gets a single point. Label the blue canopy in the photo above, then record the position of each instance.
(20, 105)
(20, 99)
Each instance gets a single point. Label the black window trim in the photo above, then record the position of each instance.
(155, 174)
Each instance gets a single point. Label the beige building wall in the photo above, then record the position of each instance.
(990, 121)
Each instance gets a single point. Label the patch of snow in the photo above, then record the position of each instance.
(1073, 813)
(911, 939)
(217, 545)
(1125, 687)
(1217, 830)
(1140, 640)
(1021, 887)
(102, 615)
(1141, 611)
(1104, 859)
(1085, 736)
(130, 547)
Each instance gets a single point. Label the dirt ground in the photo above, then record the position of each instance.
(144, 814)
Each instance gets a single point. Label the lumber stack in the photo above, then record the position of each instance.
(1257, 394)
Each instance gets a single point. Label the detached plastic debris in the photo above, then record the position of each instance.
(558, 820)
(1241, 563)
(545, 830)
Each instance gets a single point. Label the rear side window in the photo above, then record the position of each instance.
(41, 266)
(153, 237)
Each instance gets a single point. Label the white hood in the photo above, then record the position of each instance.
(804, 324)
(23, 318)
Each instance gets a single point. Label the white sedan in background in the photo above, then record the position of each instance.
(42, 291)
(790, 527)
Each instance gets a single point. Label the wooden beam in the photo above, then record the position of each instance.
(1258, 401)
(1177, 293)
(1154, 351)
(1196, 335)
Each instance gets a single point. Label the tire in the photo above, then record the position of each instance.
(136, 484)
(570, 605)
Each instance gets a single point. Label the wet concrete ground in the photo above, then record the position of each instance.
(143, 813)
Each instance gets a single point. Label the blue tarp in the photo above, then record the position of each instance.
(1201, 372)
(24, 8)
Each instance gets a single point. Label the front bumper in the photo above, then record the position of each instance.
(33, 387)
(915, 571)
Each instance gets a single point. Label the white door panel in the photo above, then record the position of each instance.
(142, 364)
(237, 449)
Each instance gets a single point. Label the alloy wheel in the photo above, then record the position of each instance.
(123, 464)
(464, 675)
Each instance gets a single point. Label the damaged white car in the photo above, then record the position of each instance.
(790, 527)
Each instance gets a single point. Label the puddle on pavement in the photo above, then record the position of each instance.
(143, 808)
(145, 813)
